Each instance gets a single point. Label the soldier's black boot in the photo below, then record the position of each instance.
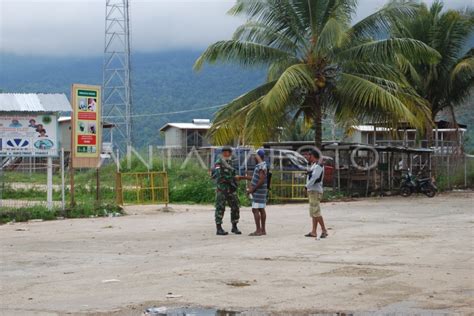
(235, 230)
(220, 231)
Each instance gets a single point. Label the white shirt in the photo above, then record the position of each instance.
(316, 171)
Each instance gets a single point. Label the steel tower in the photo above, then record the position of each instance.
(116, 85)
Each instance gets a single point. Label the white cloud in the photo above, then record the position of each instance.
(76, 27)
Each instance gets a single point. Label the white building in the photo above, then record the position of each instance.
(185, 136)
(445, 137)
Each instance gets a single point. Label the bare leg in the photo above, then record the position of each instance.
(263, 218)
(315, 226)
(256, 216)
(321, 222)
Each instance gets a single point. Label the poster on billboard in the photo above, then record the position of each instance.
(86, 126)
(28, 135)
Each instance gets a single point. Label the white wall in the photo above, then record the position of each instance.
(173, 137)
(356, 137)
(64, 134)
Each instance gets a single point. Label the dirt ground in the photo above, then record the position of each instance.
(384, 254)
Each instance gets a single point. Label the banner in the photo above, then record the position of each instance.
(29, 135)
(86, 125)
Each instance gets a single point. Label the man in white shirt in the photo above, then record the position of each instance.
(314, 188)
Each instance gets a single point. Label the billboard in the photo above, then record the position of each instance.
(86, 126)
(28, 135)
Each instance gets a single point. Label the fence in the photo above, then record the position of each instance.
(142, 188)
(23, 183)
(288, 186)
(453, 171)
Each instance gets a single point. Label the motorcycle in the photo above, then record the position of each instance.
(411, 184)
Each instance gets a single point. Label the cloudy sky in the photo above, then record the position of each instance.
(76, 27)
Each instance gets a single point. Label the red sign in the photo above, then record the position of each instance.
(86, 140)
(92, 116)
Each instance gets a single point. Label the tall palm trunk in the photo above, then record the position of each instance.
(317, 121)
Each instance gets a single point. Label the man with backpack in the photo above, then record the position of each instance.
(314, 188)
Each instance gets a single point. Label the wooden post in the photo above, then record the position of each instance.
(49, 183)
(389, 170)
(2, 185)
(465, 170)
(448, 172)
(338, 169)
(97, 184)
(71, 179)
(368, 179)
(63, 196)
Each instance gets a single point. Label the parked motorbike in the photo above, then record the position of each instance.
(412, 184)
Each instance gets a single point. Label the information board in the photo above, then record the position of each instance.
(86, 126)
(28, 135)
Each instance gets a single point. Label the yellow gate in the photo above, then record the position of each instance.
(288, 186)
(142, 188)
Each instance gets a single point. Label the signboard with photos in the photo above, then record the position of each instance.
(28, 135)
(86, 126)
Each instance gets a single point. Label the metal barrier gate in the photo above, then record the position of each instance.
(288, 186)
(142, 188)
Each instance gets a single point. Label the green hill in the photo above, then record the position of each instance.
(162, 82)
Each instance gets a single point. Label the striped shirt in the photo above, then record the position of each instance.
(260, 195)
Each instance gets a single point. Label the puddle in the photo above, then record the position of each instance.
(189, 312)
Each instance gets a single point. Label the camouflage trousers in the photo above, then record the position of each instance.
(232, 200)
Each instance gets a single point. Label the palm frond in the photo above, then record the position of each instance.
(278, 67)
(408, 69)
(294, 78)
(382, 20)
(242, 53)
(240, 102)
(228, 121)
(368, 99)
(463, 70)
(259, 33)
(333, 35)
(386, 50)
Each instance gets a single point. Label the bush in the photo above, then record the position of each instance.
(23, 214)
(456, 177)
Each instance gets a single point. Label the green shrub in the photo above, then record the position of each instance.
(23, 214)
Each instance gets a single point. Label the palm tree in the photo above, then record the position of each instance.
(449, 82)
(297, 131)
(317, 62)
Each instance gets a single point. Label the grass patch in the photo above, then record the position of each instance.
(456, 177)
(23, 214)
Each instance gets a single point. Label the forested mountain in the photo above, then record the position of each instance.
(162, 82)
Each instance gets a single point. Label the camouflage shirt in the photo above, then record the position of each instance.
(224, 174)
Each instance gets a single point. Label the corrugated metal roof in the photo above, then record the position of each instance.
(64, 119)
(34, 102)
(370, 128)
(186, 126)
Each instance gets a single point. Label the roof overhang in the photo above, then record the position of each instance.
(34, 102)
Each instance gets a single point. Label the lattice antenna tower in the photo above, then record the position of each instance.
(116, 86)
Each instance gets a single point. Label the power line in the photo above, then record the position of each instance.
(175, 112)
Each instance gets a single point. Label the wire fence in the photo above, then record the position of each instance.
(453, 171)
(23, 182)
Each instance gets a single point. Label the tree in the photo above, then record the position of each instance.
(449, 82)
(317, 62)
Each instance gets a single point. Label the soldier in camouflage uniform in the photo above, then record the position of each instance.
(226, 192)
